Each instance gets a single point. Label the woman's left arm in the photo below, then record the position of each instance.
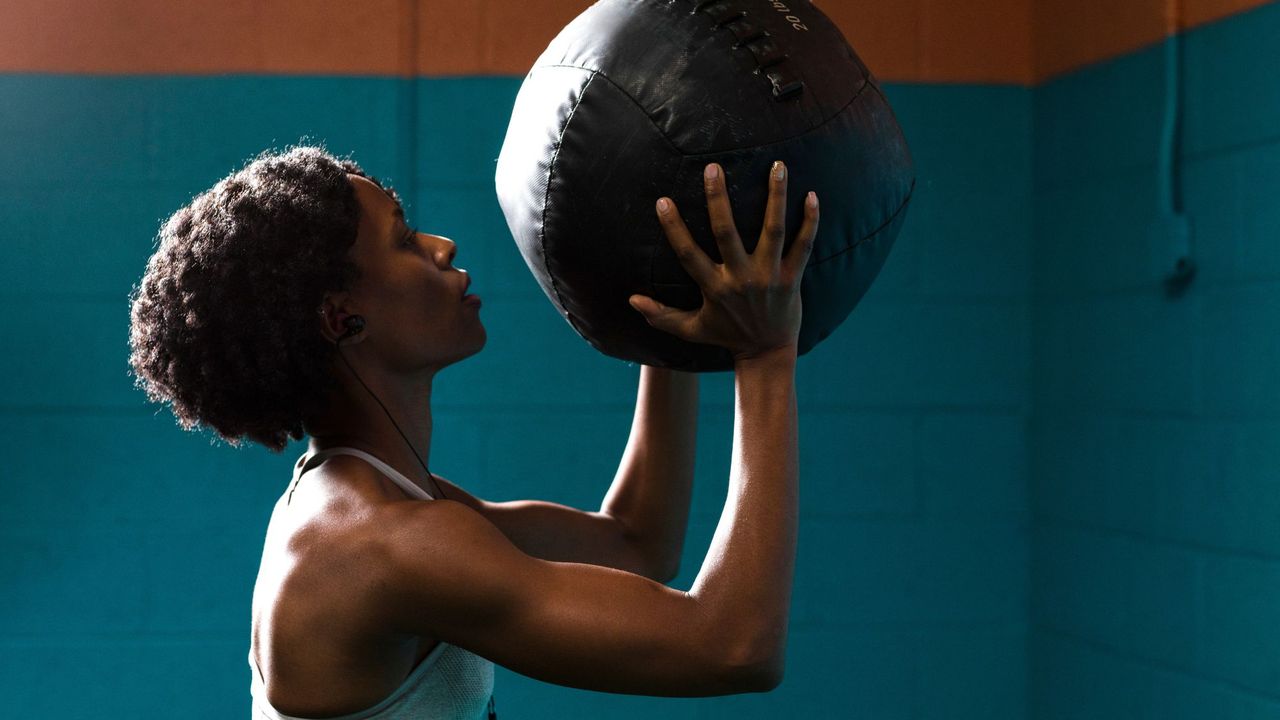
(653, 487)
(640, 527)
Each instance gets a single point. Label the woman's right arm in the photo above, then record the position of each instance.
(449, 573)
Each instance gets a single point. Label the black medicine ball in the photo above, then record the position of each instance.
(631, 101)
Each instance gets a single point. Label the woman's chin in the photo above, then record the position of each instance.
(484, 340)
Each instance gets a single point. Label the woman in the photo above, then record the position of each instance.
(292, 298)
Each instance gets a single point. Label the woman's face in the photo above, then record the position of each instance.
(409, 292)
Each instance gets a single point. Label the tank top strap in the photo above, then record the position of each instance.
(305, 463)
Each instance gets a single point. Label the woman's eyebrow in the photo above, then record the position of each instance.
(398, 214)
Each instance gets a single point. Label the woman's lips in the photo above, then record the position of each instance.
(471, 299)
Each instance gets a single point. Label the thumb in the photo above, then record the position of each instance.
(654, 312)
(667, 319)
(646, 306)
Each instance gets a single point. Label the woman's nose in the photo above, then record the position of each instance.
(448, 249)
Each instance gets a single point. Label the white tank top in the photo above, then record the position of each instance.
(449, 684)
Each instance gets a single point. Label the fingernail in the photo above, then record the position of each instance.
(712, 171)
(779, 170)
(663, 205)
(812, 199)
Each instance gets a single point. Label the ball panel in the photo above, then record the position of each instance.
(832, 288)
(600, 226)
(542, 109)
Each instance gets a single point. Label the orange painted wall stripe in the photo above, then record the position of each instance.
(939, 41)
(930, 41)
(1070, 34)
(1073, 33)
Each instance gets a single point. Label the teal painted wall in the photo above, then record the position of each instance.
(1155, 433)
(131, 547)
(1034, 486)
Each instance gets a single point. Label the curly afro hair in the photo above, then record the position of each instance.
(224, 321)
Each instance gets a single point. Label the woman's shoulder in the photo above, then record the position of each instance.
(342, 485)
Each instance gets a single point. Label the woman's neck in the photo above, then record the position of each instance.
(355, 419)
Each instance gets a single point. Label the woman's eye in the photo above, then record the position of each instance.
(412, 236)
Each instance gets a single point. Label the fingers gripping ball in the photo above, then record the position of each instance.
(631, 101)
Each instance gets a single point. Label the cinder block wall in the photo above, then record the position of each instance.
(1155, 436)
(954, 402)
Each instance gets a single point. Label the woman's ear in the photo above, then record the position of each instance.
(334, 311)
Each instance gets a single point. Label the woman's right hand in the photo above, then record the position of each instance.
(750, 302)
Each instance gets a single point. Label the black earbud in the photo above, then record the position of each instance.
(354, 323)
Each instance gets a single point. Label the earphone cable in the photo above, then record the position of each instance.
(393, 422)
